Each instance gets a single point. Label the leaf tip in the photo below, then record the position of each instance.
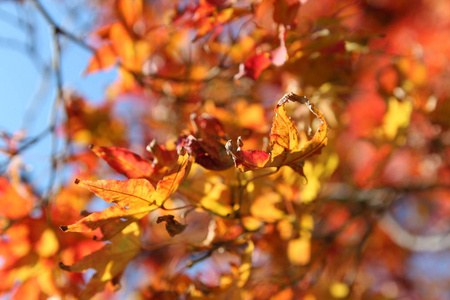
(151, 146)
(64, 267)
(293, 98)
(240, 142)
(64, 228)
(229, 147)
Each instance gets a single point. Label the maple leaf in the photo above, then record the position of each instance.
(130, 11)
(133, 165)
(134, 198)
(119, 45)
(109, 262)
(125, 162)
(285, 145)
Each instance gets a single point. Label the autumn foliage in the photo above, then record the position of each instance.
(277, 149)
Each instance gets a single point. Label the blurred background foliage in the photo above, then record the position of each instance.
(370, 218)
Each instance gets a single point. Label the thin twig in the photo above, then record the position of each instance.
(53, 116)
(177, 208)
(59, 30)
(24, 147)
(260, 176)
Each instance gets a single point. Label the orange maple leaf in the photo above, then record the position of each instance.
(109, 262)
(134, 198)
(104, 58)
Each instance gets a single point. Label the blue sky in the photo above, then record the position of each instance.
(24, 103)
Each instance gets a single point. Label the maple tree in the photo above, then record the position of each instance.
(277, 149)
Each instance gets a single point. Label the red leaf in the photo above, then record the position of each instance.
(254, 66)
(208, 144)
(134, 166)
(125, 162)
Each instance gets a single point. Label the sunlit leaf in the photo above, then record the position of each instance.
(397, 117)
(208, 192)
(264, 207)
(109, 262)
(130, 11)
(285, 145)
(134, 198)
(48, 243)
(246, 264)
(120, 192)
(169, 184)
(316, 173)
(339, 290)
(104, 57)
(299, 251)
(125, 162)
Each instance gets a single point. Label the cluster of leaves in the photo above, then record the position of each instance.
(318, 213)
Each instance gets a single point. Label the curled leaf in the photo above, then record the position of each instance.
(207, 144)
(173, 227)
(285, 145)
